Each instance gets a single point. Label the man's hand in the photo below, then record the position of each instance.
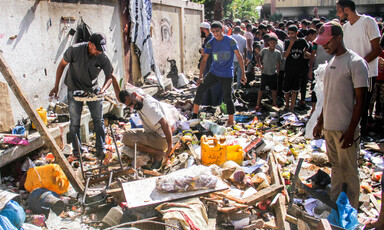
(292, 41)
(243, 79)
(347, 139)
(317, 130)
(199, 82)
(54, 92)
(307, 55)
(310, 75)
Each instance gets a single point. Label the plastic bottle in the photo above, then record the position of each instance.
(43, 114)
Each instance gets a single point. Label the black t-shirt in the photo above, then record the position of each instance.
(295, 60)
(302, 33)
(281, 34)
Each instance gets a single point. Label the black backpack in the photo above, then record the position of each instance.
(83, 32)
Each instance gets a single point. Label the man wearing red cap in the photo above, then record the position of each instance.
(85, 60)
(345, 87)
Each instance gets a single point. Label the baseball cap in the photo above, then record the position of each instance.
(205, 25)
(99, 40)
(327, 31)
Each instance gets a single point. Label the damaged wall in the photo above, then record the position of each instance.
(176, 34)
(42, 39)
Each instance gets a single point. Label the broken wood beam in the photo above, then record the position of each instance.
(40, 126)
(281, 213)
(323, 225)
(264, 194)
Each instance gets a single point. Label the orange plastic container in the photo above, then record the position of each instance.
(213, 150)
(235, 153)
(49, 176)
(43, 114)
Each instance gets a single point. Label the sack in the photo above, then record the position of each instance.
(83, 32)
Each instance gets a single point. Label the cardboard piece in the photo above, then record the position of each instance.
(6, 116)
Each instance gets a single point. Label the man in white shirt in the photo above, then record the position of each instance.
(156, 137)
(345, 87)
(361, 35)
(250, 39)
(242, 43)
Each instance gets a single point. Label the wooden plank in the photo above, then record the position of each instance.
(6, 116)
(374, 201)
(273, 170)
(144, 192)
(324, 225)
(281, 213)
(264, 194)
(40, 126)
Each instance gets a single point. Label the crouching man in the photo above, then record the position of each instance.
(156, 136)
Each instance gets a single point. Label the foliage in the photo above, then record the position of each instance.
(242, 9)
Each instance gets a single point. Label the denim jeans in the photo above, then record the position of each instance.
(96, 110)
(237, 71)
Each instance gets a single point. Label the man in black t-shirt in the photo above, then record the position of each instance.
(295, 64)
(85, 60)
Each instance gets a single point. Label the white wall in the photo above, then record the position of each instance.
(39, 46)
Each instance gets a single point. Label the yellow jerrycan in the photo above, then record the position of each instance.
(43, 114)
(235, 153)
(213, 150)
(49, 176)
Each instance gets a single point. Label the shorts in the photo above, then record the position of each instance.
(291, 82)
(378, 92)
(140, 136)
(268, 80)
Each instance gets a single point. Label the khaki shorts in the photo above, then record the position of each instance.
(151, 139)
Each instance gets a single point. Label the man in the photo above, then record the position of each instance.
(281, 34)
(345, 87)
(361, 35)
(250, 39)
(85, 60)
(214, 95)
(242, 44)
(304, 28)
(156, 136)
(295, 65)
(223, 49)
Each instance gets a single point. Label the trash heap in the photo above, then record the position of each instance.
(262, 173)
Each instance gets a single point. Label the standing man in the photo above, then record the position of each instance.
(250, 39)
(214, 95)
(361, 35)
(223, 48)
(345, 87)
(242, 44)
(85, 60)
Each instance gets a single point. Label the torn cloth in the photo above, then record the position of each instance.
(191, 213)
(140, 15)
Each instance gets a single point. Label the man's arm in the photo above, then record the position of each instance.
(107, 83)
(168, 135)
(375, 51)
(347, 137)
(291, 42)
(278, 67)
(203, 63)
(59, 73)
(311, 63)
(249, 44)
(319, 126)
(241, 63)
(116, 87)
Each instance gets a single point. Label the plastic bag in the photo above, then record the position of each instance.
(347, 215)
(14, 213)
(189, 179)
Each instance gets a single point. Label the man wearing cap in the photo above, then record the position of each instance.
(345, 87)
(362, 36)
(85, 60)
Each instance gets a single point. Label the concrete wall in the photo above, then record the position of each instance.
(42, 38)
(176, 34)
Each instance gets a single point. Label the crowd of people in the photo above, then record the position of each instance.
(287, 53)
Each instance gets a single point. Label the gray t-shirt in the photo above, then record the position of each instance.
(83, 69)
(241, 43)
(343, 74)
(270, 59)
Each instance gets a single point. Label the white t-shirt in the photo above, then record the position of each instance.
(343, 74)
(249, 35)
(358, 37)
(241, 43)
